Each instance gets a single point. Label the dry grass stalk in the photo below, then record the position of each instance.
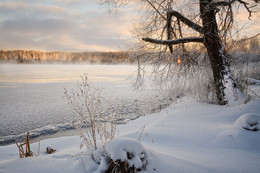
(27, 152)
(88, 103)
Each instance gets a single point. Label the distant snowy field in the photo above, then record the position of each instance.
(185, 137)
(32, 96)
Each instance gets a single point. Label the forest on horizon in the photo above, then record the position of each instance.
(34, 56)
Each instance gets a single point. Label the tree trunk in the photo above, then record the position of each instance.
(226, 88)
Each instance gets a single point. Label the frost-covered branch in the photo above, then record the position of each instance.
(185, 20)
(173, 42)
(224, 3)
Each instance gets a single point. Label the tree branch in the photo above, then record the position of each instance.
(169, 30)
(173, 42)
(156, 9)
(185, 20)
(224, 3)
(247, 8)
(246, 5)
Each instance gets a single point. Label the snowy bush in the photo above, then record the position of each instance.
(249, 121)
(243, 135)
(245, 69)
(121, 155)
(88, 103)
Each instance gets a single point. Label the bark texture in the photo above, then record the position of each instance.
(225, 85)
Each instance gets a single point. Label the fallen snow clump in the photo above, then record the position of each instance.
(249, 121)
(120, 154)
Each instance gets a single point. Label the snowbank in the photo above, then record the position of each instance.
(249, 121)
(244, 134)
(186, 137)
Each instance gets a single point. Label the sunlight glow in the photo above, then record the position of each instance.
(178, 61)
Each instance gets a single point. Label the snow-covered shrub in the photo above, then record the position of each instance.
(245, 134)
(249, 121)
(121, 155)
(245, 68)
(88, 103)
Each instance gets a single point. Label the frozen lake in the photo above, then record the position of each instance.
(32, 96)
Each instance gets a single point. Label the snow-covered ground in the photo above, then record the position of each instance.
(185, 137)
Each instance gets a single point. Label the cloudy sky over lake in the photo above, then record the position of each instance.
(70, 25)
(62, 25)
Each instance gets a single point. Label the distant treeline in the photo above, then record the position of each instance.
(32, 56)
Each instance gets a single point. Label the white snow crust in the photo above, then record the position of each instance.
(186, 137)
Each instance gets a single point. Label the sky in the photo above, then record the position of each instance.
(62, 25)
(72, 25)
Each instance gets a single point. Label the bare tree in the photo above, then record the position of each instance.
(206, 22)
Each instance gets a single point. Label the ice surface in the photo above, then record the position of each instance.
(32, 96)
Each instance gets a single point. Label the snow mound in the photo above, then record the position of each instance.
(249, 121)
(118, 151)
(245, 134)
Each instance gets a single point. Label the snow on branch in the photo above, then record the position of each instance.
(173, 42)
(185, 20)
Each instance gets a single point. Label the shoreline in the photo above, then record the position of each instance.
(55, 135)
(59, 134)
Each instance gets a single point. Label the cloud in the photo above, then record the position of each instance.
(68, 1)
(16, 9)
(58, 26)
(95, 33)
